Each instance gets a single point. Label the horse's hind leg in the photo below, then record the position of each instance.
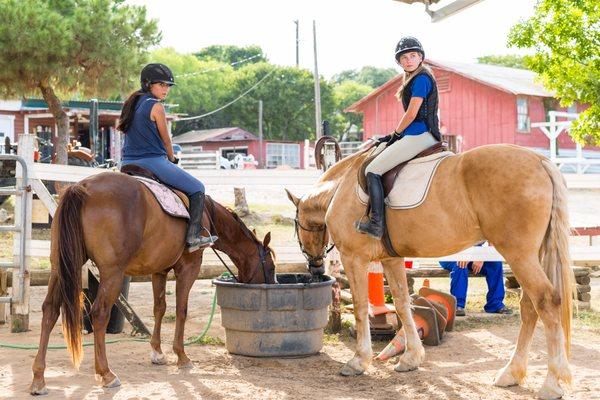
(537, 286)
(109, 289)
(185, 275)
(514, 372)
(50, 313)
(415, 353)
(159, 283)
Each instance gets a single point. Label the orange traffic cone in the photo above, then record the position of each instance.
(377, 304)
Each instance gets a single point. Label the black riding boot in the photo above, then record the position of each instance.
(374, 226)
(193, 240)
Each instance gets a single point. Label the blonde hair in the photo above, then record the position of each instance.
(408, 76)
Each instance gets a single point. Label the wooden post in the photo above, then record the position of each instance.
(241, 205)
(3, 292)
(20, 309)
(334, 325)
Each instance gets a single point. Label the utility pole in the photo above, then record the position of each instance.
(317, 86)
(261, 162)
(297, 43)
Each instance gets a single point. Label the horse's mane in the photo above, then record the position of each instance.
(325, 187)
(247, 232)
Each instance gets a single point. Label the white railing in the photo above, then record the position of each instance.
(349, 148)
(200, 160)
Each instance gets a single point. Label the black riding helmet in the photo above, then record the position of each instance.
(407, 44)
(153, 73)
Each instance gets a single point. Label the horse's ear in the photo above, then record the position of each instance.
(267, 239)
(292, 198)
(254, 231)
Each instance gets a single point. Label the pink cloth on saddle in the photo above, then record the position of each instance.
(168, 200)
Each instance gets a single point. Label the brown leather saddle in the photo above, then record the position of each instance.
(136, 170)
(389, 177)
(388, 180)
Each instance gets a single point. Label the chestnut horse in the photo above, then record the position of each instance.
(508, 195)
(115, 221)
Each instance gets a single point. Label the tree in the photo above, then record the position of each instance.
(344, 95)
(63, 47)
(202, 86)
(232, 54)
(512, 61)
(371, 76)
(288, 101)
(565, 35)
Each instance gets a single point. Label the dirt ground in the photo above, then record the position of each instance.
(462, 367)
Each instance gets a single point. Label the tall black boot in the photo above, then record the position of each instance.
(374, 226)
(193, 240)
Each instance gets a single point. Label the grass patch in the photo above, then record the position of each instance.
(587, 319)
(206, 339)
(342, 336)
(169, 317)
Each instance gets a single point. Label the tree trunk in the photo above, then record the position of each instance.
(241, 205)
(62, 120)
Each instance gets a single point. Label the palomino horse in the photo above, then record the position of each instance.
(112, 219)
(508, 195)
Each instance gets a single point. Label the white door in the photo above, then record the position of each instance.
(7, 129)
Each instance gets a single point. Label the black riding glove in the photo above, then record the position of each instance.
(175, 160)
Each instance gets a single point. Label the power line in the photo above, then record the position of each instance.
(231, 102)
(220, 67)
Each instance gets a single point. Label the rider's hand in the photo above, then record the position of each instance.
(174, 160)
(385, 139)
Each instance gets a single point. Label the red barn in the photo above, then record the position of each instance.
(478, 104)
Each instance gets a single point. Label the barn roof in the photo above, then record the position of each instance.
(214, 135)
(512, 80)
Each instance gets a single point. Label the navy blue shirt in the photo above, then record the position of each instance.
(421, 87)
(142, 139)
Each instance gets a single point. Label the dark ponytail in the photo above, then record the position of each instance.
(128, 111)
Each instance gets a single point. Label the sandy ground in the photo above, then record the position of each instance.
(462, 367)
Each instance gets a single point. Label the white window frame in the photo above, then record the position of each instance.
(282, 154)
(523, 120)
(11, 132)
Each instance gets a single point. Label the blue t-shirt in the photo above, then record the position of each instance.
(421, 87)
(142, 139)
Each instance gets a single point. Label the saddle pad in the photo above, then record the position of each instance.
(170, 202)
(412, 183)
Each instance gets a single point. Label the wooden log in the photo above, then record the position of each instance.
(584, 288)
(584, 297)
(583, 305)
(583, 280)
(346, 296)
(511, 283)
(241, 204)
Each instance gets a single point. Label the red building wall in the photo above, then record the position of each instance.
(479, 113)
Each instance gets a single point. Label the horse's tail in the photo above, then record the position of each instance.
(71, 256)
(554, 252)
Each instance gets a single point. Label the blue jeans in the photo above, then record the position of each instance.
(492, 270)
(169, 173)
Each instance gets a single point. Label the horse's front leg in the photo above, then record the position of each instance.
(396, 276)
(357, 273)
(185, 274)
(159, 284)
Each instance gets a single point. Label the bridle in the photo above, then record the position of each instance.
(312, 260)
(259, 246)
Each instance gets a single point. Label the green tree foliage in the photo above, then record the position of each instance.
(232, 54)
(371, 76)
(511, 60)
(344, 95)
(565, 35)
(202, 86)
(288, 101)
(62, 48)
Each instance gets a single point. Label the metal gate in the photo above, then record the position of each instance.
(17, 227)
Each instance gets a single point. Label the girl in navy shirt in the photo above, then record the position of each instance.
(148, 144)
(417, 130)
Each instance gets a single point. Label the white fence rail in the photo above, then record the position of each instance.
(200, 160)
(349, 148)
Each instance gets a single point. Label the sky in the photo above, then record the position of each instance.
(350, 33)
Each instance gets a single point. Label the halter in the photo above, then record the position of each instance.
(259, 247)
(312, 260)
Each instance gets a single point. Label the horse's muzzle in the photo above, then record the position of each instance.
(316, 269)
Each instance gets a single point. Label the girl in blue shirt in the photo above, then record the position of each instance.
(417, 130)
(148, 144)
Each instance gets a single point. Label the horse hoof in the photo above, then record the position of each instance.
(410, 361)
(550, 390)
(185, 365)
(38, 389)
(505, 379)
(400, 367)
(158, 358)
(351, 370)
(112, 384)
